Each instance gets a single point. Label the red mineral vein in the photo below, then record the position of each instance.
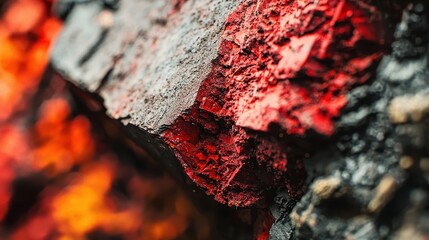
(283, 67)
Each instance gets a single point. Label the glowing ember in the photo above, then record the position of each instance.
(61, 143)
(26, 33)
(83, 206)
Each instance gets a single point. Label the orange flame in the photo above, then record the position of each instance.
(61, 143)
(26, 33)
(84, 205)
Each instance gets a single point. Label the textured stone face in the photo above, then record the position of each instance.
(241, 91)
(283, 70)
(149, 63)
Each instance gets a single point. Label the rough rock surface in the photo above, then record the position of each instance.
(321, 103)
(282, 73)
(371, 181)
(146, 59)
(241, 91)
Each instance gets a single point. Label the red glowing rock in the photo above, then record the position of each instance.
(234, 88)
(280, 64)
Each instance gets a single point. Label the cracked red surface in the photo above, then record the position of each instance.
(283, 71)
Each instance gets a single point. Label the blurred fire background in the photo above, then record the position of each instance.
(61, 177)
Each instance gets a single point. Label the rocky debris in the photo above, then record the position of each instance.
(326, 188)
(383, 194)
(407, 108)
(370, 182)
